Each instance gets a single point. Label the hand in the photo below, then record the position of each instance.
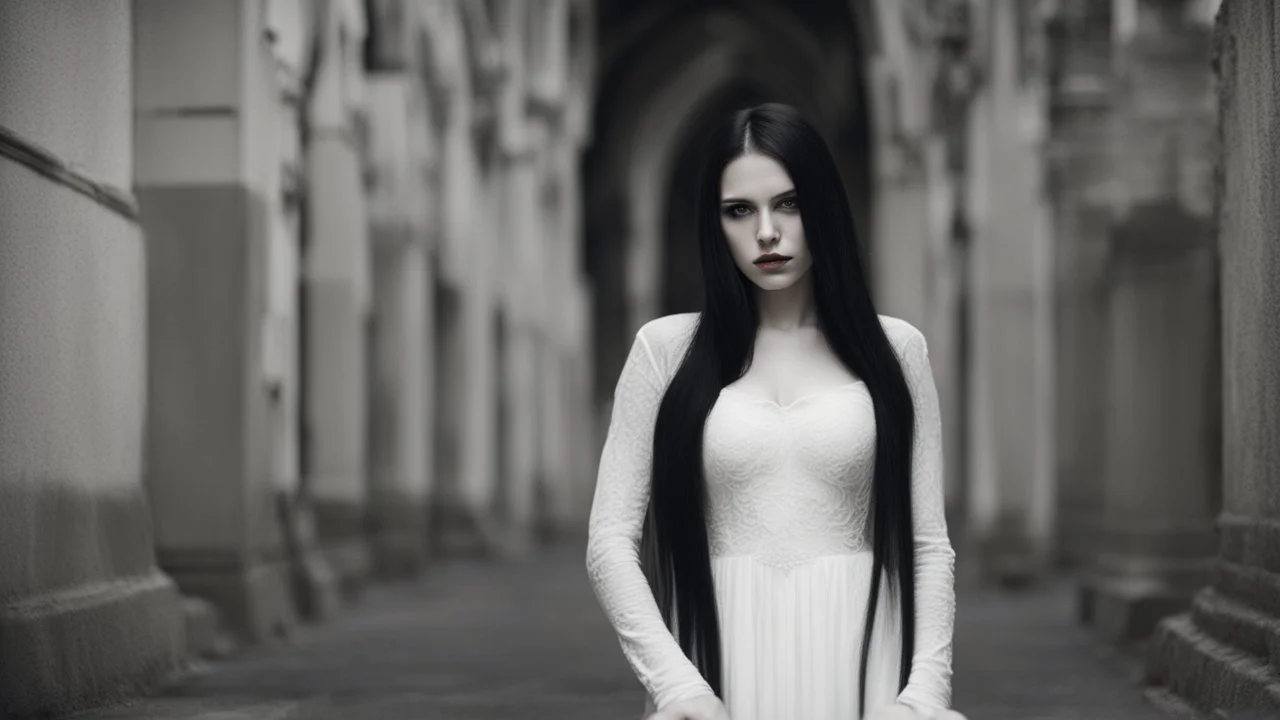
(703, 707)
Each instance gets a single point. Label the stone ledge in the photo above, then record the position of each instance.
(256, 601)
(1250, 541)
(1208, 673)
(83, 646)
(1126, 610)
(1251, 585)
(1234, 623)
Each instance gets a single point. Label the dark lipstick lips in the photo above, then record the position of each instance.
(770, 258)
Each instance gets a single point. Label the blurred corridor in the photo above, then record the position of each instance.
(302, 297)
(526, 639)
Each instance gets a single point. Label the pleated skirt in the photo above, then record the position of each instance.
(791, 638)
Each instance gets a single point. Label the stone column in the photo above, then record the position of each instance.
(84, 611)
(479, 466)
(521, 266)
(1161, 457)
(1010, 480)
(462, 499)
(397, 475)
(336, 266)
(1222, 654)
(1080, 172)
(203, 179)
(554, 510)
(916, 271)
(292, 36)
(1162, 419)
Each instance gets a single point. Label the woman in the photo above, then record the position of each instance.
(776, 462)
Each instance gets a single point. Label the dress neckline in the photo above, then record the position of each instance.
(793, 403)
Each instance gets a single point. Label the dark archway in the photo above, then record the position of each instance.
(666, 66)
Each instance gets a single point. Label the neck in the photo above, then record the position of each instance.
(790, 308)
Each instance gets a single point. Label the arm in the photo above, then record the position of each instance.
(929, 686)
(613, 555)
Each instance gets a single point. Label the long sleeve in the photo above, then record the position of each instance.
(617, 515)
(929, 685)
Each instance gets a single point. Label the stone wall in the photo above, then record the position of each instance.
(1224, 652)
(85, 615)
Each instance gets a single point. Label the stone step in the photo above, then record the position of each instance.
(1174, 706)
(1236, 624)
(1193, 664)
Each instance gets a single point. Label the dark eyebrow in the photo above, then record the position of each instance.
(735, 201)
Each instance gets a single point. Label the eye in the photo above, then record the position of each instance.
(789, 203)
(737, 210)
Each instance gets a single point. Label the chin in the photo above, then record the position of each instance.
(780, 281)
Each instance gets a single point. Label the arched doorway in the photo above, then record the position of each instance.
(670, 68)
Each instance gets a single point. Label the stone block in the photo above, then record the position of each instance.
(1209, 673)
(1127, 610)
(88, 644)
(340, 530)
(254, 597)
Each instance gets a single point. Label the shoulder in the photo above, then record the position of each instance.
(668, 336)
(903, 336)
(669, 327)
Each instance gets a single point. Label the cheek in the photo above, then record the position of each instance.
(795, 227)
(739, 238)
(796, 230)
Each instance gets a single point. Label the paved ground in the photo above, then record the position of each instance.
(475, 641)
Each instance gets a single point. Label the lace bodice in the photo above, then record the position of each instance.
(787, 484)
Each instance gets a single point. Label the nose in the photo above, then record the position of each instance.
(767, 232)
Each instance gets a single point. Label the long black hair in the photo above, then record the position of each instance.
(675, 551)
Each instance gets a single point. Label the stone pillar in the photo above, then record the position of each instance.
(202, 180)
(397, 474)
(84, 611)
(521, 266)
(1162, 422)
(1010, 480)
(470, 264)
(479, 403)
(336, 266)
(1222, 655)
(553, 511)
(1162, 416)
(1080, 172)
(292, 35)
(462, 491)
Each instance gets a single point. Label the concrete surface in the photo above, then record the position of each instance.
(474, 640)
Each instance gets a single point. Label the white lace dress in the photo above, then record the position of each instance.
(789, 499)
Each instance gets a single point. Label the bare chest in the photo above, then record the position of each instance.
(785, 369)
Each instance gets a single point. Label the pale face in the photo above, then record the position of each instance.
(760, 215)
